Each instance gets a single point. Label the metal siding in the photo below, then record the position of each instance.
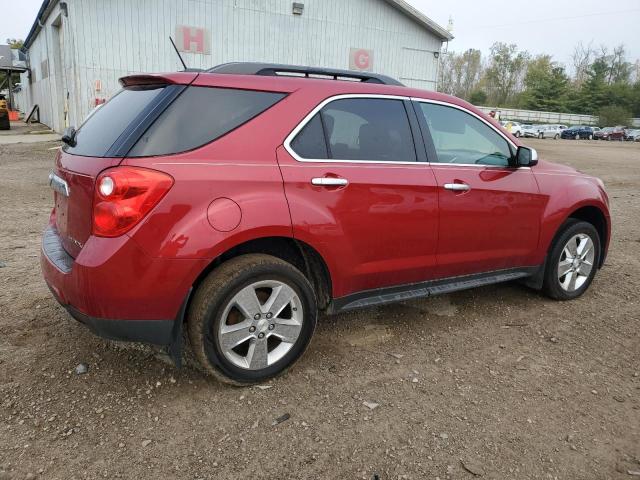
(107, 39)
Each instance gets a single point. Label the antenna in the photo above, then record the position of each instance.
(178, 53)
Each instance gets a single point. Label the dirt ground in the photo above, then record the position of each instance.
(499, 381)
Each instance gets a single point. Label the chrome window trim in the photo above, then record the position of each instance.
(326, 101)
(320, 106)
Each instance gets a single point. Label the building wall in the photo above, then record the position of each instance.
(103, 40)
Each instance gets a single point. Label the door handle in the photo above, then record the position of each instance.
(457, 187)
(330, 181)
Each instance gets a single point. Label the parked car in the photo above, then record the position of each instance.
(514, 128)
(610, 133)
(632, 135)
(531, 131)
(577, 132)
(550, 131)
(239, 202)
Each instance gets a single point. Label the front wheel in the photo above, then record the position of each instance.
(577, 137)
(572, 261)
(590, 137)
(556, 136)
(517, 134)
(251, 319)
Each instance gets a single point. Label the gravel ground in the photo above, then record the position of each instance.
(497, 382)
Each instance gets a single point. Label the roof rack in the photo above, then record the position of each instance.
(274, 69)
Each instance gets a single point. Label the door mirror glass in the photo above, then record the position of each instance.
(526, 157)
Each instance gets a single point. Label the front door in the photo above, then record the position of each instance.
(359, 194)
(490, 211)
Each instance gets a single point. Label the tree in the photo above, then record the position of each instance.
(505, 72)
(460, 73)
(614, 115)
(546, 85)
(593, 94)
(15, 43)
(582, 58)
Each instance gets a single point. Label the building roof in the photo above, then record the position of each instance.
(401, 5)
(421, 18)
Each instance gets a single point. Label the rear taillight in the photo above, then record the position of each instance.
(123, 196)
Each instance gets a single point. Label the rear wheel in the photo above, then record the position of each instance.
(517, 134)
(590, 137)
(577, 137)
(572, 261)
(251, 319)
(556, 136)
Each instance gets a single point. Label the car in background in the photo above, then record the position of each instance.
(610, 133)
(550, 131)
(514, 128)
(578, 132)
(530, 131)
(632, 135)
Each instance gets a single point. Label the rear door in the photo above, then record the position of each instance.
(361, 193)
(490, 211)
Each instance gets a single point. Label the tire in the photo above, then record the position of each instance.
(560, 287)
(540, 136)
(517, 134)
(215, 303)
(556, 136)
(590, 137)
(577, 137)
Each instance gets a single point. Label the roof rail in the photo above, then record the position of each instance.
(273, 69)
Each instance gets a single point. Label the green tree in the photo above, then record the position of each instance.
(505, 73)
(594, 92)
(546, 85)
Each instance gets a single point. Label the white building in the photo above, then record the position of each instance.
(77, 49)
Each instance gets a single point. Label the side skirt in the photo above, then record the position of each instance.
(382, 296)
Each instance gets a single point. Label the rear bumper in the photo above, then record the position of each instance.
(116, 290)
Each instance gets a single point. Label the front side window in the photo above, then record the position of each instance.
(460, 137)
(365, 129)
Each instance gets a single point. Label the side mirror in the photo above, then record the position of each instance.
(69, 136)
(526, 157)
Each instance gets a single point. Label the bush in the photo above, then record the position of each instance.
(614, 115)
(478, 97)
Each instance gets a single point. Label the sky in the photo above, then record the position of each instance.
(539, 26)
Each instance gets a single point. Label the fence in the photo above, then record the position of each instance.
(531, 116)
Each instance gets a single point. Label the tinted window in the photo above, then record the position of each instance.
(199, 116)
(368, 129)
(310, 142)
(103, 128)
(459, 137)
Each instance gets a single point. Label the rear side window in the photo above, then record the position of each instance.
(101, 130)
(310, 142)
(369, 129)
(199, 116)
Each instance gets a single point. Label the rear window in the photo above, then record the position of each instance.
(101, 130)
(201, 115)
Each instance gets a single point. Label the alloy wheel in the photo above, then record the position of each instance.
(260, 324)
(576, 262)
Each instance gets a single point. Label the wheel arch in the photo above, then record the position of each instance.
(296, 252)
(596, 217)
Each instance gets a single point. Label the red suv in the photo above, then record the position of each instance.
(241, 201)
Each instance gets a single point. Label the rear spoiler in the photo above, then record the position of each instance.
(176, 78)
